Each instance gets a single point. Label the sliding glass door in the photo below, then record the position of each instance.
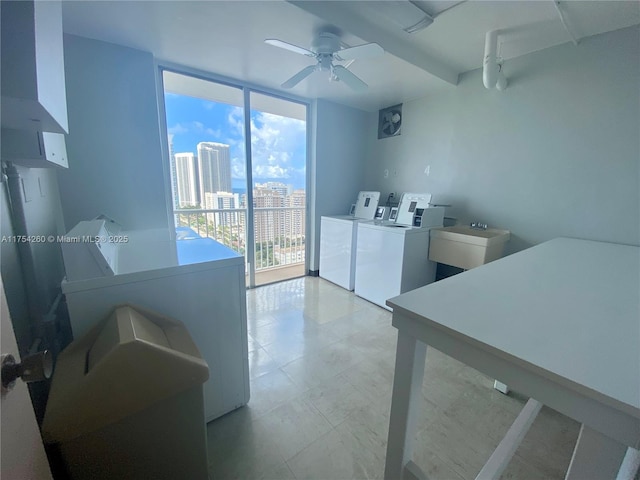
(237, 162)
(278, 170)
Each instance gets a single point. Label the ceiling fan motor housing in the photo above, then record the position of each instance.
(326, 44)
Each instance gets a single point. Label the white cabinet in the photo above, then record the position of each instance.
(34, 149)
(33, 84)
(199, 282)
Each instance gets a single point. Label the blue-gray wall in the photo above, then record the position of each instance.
(114, 150)
(338, 165)
(114, 145)
(556, 154)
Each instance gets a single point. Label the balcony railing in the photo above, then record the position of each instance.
(279, 232)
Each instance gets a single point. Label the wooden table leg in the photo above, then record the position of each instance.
(595, 456)
(407, 385)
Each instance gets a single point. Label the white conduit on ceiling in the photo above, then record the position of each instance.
(492, 75)
(556, 4)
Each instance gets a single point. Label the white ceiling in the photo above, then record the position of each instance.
(226, 38)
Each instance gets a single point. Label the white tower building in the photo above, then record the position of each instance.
(186, 179)
(214, 168)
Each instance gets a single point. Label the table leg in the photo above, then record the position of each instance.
(630, 465)
(407, 385)
(595, 456)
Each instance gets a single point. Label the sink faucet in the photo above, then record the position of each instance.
(479, 226)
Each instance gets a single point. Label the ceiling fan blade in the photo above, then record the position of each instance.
(349, 78)
(289, 46)
(368, 50)
(298, 77)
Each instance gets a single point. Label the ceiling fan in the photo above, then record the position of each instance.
(327, 48)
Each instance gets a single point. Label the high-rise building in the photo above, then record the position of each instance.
(186, 180)
(268, 223)
(295, 217)
(227, 222)
(221, 201)
(172, 166)
(282, 188)
(214, 168)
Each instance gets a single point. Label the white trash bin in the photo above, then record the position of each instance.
(126, 401)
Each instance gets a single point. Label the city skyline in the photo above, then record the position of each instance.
(195, 186)
(278, 143)
(208, 176)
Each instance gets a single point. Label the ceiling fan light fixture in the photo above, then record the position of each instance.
(326, 48)
(405, 14)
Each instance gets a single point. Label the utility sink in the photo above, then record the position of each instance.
(466, 247)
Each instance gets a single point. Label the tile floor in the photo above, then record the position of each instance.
(321, 362)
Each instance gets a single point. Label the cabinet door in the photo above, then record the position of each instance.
(33, 82)
(34, 149)
(54, 148)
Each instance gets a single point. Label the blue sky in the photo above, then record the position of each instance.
(278, 143)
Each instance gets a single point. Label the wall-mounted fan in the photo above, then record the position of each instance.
(390, 121)
(326, 48)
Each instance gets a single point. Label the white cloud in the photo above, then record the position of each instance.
(238, 168)
(177, 129)
(271, 171)
(235, 120)
(275, 141)
(195, 126)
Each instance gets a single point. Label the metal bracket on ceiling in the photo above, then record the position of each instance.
(575, 40)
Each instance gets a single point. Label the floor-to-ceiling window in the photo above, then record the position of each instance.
(237, 163)
(278, 170)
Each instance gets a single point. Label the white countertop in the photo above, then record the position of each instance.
(152, 253)
(567, 309)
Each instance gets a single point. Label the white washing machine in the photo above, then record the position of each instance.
(392, 257)
(195, 280)
(338, 237)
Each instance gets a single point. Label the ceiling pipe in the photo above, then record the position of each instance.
(501, 83)
(492, 75)
(490, 63)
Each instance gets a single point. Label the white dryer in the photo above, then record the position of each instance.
(338, 237)
(392, 257)
(195, 280)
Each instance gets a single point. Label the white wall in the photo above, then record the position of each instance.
(337, 166)
(115, 160)
(556, 154)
